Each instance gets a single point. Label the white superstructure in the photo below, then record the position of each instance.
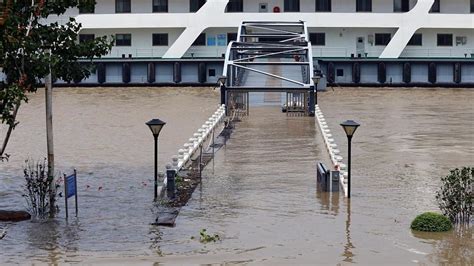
(345, 30)
(417, 42)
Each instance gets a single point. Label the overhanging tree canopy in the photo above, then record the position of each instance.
(30, 47)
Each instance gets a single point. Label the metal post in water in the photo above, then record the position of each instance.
(349, 139)
(75, 190)
(213, 150)
(155, 187)
(200, 161)
(311, 101)
(65, 196)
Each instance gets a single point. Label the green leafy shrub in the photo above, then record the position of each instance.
(205, 238)
(456, 195)
(431, 222)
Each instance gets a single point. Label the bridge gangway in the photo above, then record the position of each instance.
(269, 56)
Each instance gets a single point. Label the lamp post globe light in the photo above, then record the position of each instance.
(155, 126)
(350, 128)
(316, 77)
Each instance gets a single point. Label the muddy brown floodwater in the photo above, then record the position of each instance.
(259, 195)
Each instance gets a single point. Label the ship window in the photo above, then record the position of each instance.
(340, 72)
(231, 37)
(382, 38)
(212, 72)
(123, 6)
(123, 39)
(201, 40)
(472, 6)
(292, 6)
(445, 40)
(235, 6)
(364, 5)
(86, 37)
(436, 8)
(86, 7)
(317, 38)
(416, 40)
(401, 5)
(160, 6)
(160, 39)
(195, 5)
(323, 5)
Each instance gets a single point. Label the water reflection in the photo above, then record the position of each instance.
(348, 254)
(450, 248)
(45, 236)
(155, 239)
(329, 201)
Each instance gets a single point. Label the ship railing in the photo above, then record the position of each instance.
(198, 52)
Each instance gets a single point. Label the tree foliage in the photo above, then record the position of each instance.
(31, 46)
(456, 195)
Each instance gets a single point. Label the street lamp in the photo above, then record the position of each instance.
(155, 126)
(316, 77)
(221, 81)
(350, 128)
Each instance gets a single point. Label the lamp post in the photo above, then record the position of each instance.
(316, 77)
(349, 127)
(155, 126)
(221, 81)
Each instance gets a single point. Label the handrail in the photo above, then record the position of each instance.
(203, 134)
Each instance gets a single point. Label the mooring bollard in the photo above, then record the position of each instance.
(170, 185)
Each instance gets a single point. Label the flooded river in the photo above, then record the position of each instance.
(259, 195)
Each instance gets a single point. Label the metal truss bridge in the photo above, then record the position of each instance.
(269, 56)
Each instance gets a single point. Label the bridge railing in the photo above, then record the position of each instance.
(211, 128)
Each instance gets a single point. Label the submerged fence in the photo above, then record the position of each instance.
(331, 146)
(208, 130)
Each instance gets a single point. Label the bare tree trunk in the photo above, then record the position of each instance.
(49, 139)
(9, 133)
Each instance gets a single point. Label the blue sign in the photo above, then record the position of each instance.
(71, 186)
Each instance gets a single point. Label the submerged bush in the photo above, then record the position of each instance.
(456, 195)
(431, 222)
(38, 189)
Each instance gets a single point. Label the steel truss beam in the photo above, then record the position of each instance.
(290, 41)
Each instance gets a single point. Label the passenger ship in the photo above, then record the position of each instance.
(183, 42)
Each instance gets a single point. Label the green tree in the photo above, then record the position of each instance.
(456, 195)
(30, 48)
